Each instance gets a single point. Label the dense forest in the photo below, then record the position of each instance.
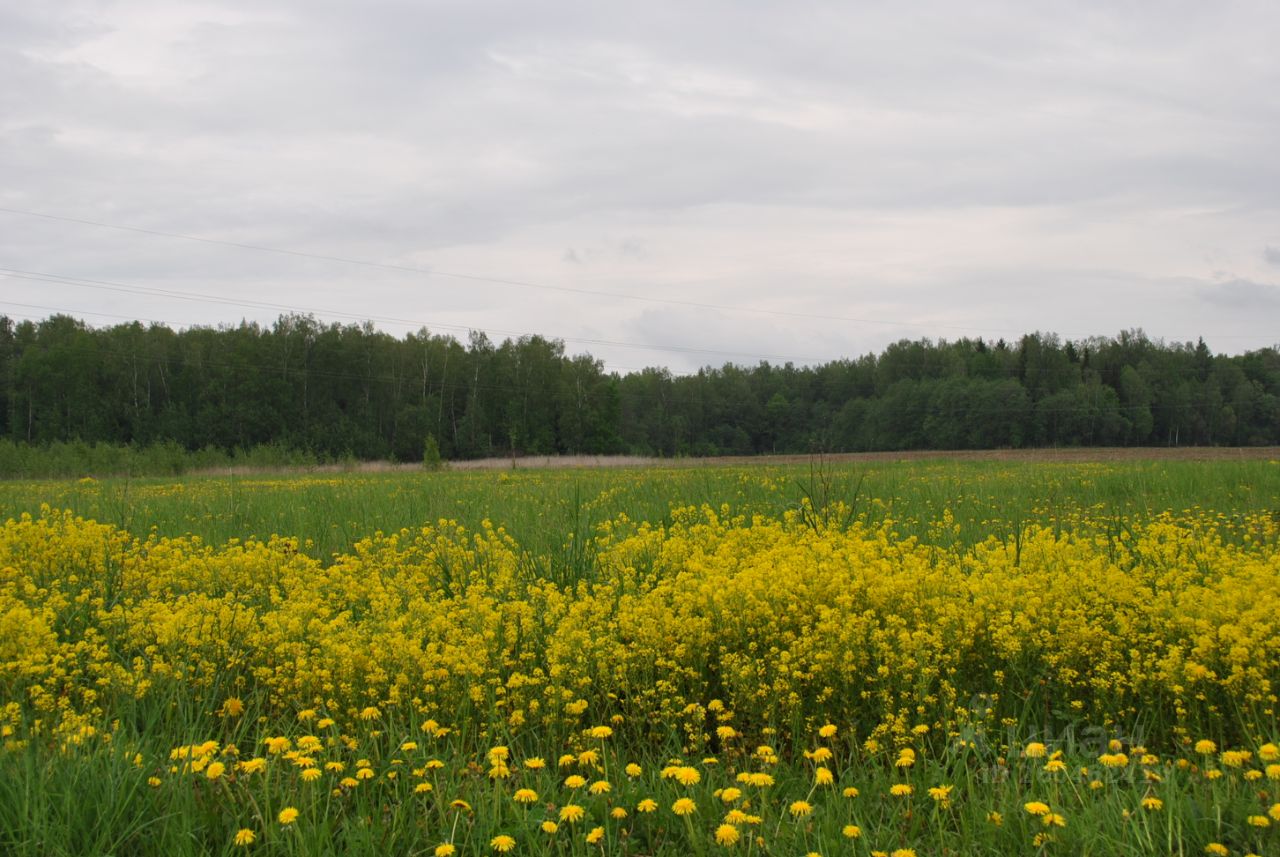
(337, 391)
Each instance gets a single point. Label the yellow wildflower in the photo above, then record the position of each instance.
(684, 806)
(727, 835)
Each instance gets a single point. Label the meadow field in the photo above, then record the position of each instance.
(928, 657)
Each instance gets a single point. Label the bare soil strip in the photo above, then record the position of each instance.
(595, 462)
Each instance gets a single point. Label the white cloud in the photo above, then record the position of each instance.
(866, 172)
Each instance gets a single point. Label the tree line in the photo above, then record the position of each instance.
(335, 391)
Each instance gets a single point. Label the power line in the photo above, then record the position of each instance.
(171, 325)
(59, 280)
(1029, 409)
(387, 266)
(262, 248)
(81, 282)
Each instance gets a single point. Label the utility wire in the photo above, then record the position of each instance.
(1030, 409)
(79, 312)
(367, 263)
(387, 266)
(204, 297)
(55, 279)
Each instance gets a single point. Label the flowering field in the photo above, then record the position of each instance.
(914, 660)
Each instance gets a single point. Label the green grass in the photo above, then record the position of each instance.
(541, 507)
(95, 799)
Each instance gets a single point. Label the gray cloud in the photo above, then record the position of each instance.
(1239, 294)
(929, 169)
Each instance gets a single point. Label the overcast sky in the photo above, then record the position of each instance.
(797, 180)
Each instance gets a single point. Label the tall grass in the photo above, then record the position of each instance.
(541, 507)
(96, 798)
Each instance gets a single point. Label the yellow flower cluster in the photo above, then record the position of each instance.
(786, 621)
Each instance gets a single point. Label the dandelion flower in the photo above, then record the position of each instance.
(525, 796)
(549, 827)
(800, 808)
(851, 831)
(596, 834)
(572, 813)
(727, 835)
(277, 745)
(288, 815)
(1235, 758)
(445, 850)
(502, 843)
(647, 805)
(686, 776)
(901, 789)
(684, 806)
(244, 837)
